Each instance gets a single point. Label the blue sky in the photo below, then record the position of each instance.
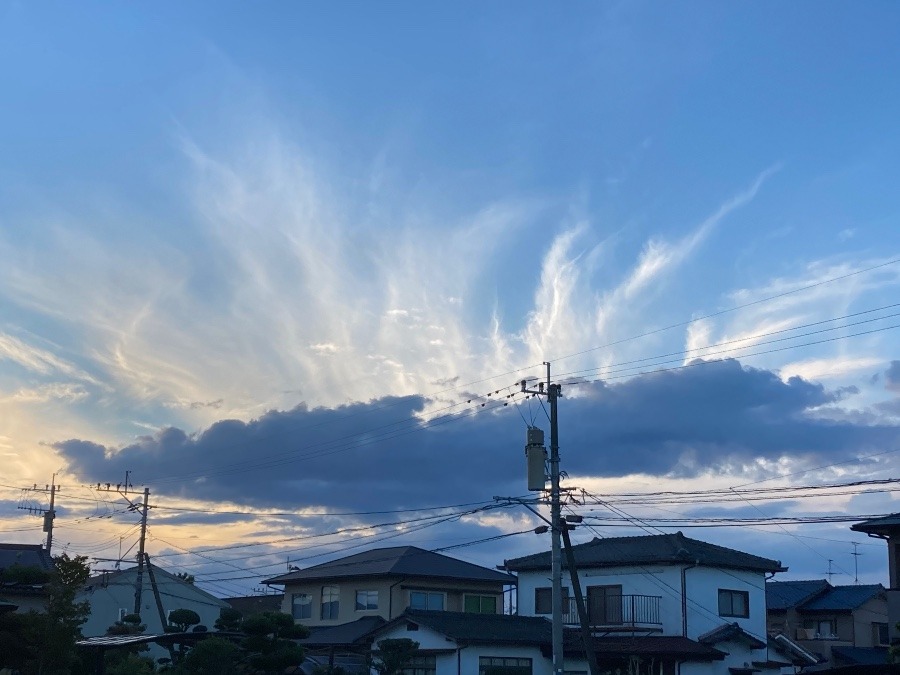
(223, 211)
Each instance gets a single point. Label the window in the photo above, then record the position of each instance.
(301, 606)
(734, 603)
(426, 600)
(480, 604)
(543, 600)
(823, 628)
(330, 602)
(880, 635)
(366, 600)
(503, 665)
(421, 665)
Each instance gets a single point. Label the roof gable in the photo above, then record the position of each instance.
(406, 561)
(651, 550)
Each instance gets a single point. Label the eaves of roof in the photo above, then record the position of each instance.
(651, 550)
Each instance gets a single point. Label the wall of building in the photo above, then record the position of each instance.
(465, 660)
(393, 596)
(702, 585)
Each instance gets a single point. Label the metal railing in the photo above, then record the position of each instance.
(617, 611)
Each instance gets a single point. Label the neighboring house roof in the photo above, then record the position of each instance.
(471, 628)
(843, 598)
(124, 577)
(345, 634)
(862, 656)
(405, 561)
(255, 604)
(664, 646)
(883, 527)
(783, 595)
(26, 555)
(817, 595)
(730, 632)
(504, 629)
(798, 655)
(651, 550)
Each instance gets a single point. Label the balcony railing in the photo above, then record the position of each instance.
(618, 612)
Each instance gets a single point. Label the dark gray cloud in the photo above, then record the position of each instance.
(374, 456)
(892, 376)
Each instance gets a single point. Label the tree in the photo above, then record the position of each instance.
(186, 578)
(182, 619)
(212, 656)
(269, 643)
(125, 660)
(64, 615)
(392, 656)
(229, 620)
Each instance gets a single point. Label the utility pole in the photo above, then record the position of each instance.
(48, 514)
(553, 392)
(122, 489)
(140, 555)
(855, 555)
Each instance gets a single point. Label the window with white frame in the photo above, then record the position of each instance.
(330, 602)
(480, 604)
(503, 665)
(426, 600)
(301, 606)
(366, 600)
(734, 603)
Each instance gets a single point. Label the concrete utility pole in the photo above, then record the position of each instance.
(553, 392)
(140, 555)
(48, 514)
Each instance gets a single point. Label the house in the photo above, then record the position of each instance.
(846, 625)
(112, 595)
(344, 600)
(24, 572)
(661, 603)
(384, 582)
(888, 528)
(248, 605)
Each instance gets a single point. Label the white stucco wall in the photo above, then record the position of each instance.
(464, 661)
(702, 586)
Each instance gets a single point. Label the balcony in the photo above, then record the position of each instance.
(617, 612)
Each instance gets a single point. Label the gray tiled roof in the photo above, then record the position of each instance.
(660, 646)
(27, 555)
(471, 628)
(782, 595)
(651, 550)
(845, 598)
(405, 561)
(730, 632)
(861, 656)
(345, 634)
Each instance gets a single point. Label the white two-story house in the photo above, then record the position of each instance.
(665, 604)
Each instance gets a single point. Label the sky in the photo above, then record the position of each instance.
(287, 265)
